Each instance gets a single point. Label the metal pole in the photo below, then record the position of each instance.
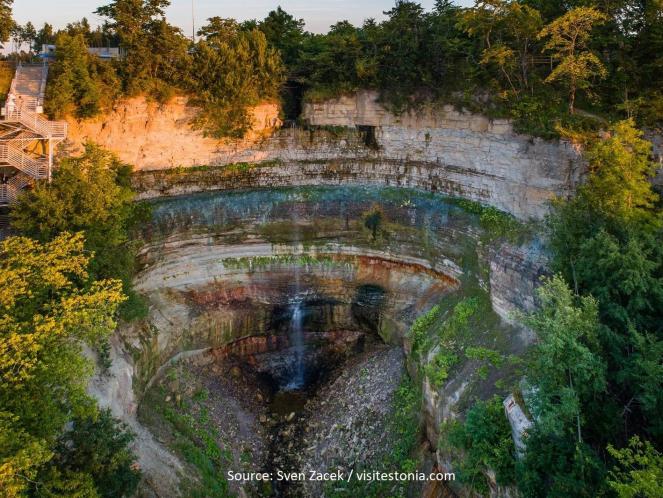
(193, 22)
(50, 158)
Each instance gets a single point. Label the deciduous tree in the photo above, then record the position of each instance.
(568, 38)
(6, 21)
(48, 309)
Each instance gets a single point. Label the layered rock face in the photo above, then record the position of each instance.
(349, 140)
(221, 268)
(482, 159)
(515, 273)
(150, 135)
(226, 273)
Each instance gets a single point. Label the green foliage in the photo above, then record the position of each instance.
(449, 348)
(565, 371)
(49, 306)
(156, 52)
(568, 37)
(639, 470)
(420, 328)
(194, 437)
(229, 70)
(496, 58)
(606, 242)
(437, 369)
(6, 21)
(486, 444)
(89, 193)
(497, 224)
(567, 378)
(596, 371)
(488, 357)
(232, 69)
(79, 84)
(621, 168)
(6, 76)
(558, 467)
(507, 31)
(98, 446)
(493, 58)
(449, 334)
(373, 221)
(283, 32)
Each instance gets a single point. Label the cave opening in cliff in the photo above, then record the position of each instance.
(368, 135)
(306, 340)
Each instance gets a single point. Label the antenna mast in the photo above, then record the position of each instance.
(193, 22)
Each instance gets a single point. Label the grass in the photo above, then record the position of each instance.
(193, 436)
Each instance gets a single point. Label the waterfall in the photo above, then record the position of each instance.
(297, 344)
(296, 329)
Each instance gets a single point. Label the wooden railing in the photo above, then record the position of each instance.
(9, 191)
(36, 168)
(25, 112)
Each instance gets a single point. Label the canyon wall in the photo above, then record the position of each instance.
(220, 271)
(484, 158)
(347, 140)
(656, 138)
(150, 135)
(515, 274)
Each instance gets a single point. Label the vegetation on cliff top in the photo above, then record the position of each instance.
(229, 69)
(551, 66)
(543, 63)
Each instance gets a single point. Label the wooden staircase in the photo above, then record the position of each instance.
(22, 126)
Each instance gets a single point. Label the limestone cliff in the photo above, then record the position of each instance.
(349, 140)
(153, 136)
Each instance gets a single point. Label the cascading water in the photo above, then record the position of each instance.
(296, 327)
(297, 343)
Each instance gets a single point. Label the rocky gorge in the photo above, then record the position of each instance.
(285, 275)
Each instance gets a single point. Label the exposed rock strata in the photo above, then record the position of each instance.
(515, 273)
(199, 299)
(437, 149)
(152, 135)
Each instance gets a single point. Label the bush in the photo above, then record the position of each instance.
(486, 444)
(99, 447)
